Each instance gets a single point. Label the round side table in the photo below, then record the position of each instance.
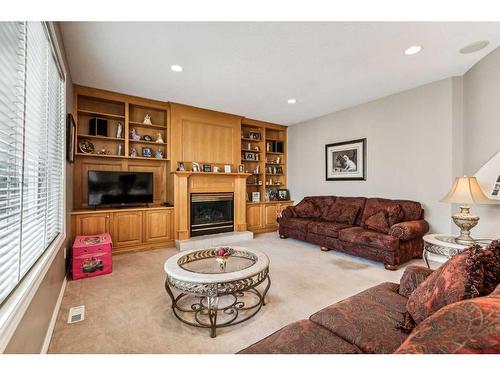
(444, 244)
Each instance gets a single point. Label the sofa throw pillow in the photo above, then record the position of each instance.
(341, 213)
(491, 264)
(458, 279)
(470, 326)
(395, 214)
(378, 222)
(307, 209)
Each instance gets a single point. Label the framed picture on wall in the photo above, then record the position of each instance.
(70, 138)
(346, 160)
(495, 193)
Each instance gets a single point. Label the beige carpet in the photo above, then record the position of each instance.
(129, 311)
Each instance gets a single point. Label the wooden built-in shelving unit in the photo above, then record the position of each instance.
(125, 110)
(264, 156)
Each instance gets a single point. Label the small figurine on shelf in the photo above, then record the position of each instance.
(147, 152)
(159, 139)
(159, 154)
(133, 153)
(147, 120)
(134, 135)
(103, 151)
(119, 130)
(119, 149)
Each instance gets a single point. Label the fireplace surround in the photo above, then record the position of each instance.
(211, 213)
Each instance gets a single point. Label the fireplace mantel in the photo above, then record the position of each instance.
(187, 182)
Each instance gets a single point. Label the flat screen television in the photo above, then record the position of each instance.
(119, 188)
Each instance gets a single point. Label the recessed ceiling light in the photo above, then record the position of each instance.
(474, 47)
(413, 50)
(291, 101)
(176, 68)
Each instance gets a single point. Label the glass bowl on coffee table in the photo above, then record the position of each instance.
(217, 287)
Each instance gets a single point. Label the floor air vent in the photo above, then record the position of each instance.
(76, 314)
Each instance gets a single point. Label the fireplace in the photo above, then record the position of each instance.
(211, 213)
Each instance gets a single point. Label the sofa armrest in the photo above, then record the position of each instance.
(412, 278)
(409, 230)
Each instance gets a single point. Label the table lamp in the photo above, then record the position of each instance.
(465, 191)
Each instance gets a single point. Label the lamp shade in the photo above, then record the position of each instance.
(466, 190)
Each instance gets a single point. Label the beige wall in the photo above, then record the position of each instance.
(31, 332)
(409, 149)
(482, 131)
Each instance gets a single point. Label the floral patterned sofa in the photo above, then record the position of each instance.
(454, 309)
(385, 230)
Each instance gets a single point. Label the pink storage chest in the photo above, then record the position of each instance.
(92, 256)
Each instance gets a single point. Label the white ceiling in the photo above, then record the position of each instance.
(251, 69)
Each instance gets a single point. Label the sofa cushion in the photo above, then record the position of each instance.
(368, 319)
(341, 213)
(411, 210)
(302, 337)
(471, 326)
(355, 201)
(323, 203)
(459, 278)
(491, 264)
(378, 222)
(395, 214)
(295, 223)
(361, 236)
(326, 228)
(307, 209)
(412, 278)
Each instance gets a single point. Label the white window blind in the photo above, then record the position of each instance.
(31, 148)
(12, 73)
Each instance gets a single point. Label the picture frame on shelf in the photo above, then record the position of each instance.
(207, 168)
(273, 194)
(249, 156)
(195, 167)
(147, 152)
(255, 197)
(70, 138)
(227, 168)
(254, 135)
(181, 167)
(241, 168)
(346, 161)
(283, 195)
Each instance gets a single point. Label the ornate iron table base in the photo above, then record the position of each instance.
(230, 309)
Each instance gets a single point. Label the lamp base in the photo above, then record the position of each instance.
(465, 221)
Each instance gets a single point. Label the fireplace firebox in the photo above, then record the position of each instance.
(211, 213)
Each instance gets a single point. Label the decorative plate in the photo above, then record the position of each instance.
(86, 146)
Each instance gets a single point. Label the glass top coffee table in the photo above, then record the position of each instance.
(217, 287)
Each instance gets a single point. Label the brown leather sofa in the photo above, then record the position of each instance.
(385, 230)
(373, 321)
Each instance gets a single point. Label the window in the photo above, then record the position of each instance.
(31, 148)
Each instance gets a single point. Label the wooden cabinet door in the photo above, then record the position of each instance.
(270, 215)
(254, 217)
(88, 224)
(158, 226)
(127, 228)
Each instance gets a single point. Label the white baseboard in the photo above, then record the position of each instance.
(53, 319)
